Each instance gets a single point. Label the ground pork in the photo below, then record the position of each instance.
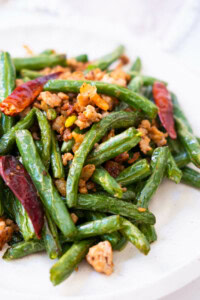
(86, 174)
(158, 136)
(114, 168)
(122, 157)
(118, 76)
(109, 135)
(59, 124)
(88, 117)
(100, 257)
(149, 133)
(76, 65)
(7, 228)
(135, 157)
(67, 157)
(78, 140)
(50, 99)
(74, 218)
(95, 74)
(88, 95)
(67, 134)
(61, 186)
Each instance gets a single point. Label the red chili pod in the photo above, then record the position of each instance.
(24, 95)
(163, 101)
(19, 181)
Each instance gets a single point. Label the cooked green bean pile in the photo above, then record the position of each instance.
(84, 147)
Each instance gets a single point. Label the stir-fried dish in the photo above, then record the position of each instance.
(84, 146)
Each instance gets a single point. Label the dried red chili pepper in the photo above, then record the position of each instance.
(19, 181)
(24, 95)
(163, 101)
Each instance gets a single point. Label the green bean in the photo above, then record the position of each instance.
(50, 238)
(104, 62)
(135, 236)
(16, 238)
(135, 84)
(189, 142)
(121, 106)
(38, 145)
(69, 261)
(45, 130)
(51, 114)
(135, 172)
(8, 139)
(22, 219)
(173, 171)
(139, 187)
(175, 146)
(30, 74)
(48, 52)
(179, 113)
(137, 65)
(147, 80)
(102, 203)
(97, 131)
(149, 231)
(109, 184)
(147, 92)
(67, 146)
(114, 237)
(7, 85)
(114, 142)
(7, 205)
(1, 197)
(43, 183)
(39, 62)
(182, 159)
(133, 99)
(98, 227)
(56, 159)
(159, 164)
(121, 244)
(191, 177)
(22, 249)
(114, 146)
(129, 194)
(82, 58)
(19, 214)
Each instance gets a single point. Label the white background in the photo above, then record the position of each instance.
(173, 25)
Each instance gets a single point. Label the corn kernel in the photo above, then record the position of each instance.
(70, 121)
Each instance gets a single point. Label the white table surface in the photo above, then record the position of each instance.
(174, 25)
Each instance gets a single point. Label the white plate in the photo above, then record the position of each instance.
(174, 258)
